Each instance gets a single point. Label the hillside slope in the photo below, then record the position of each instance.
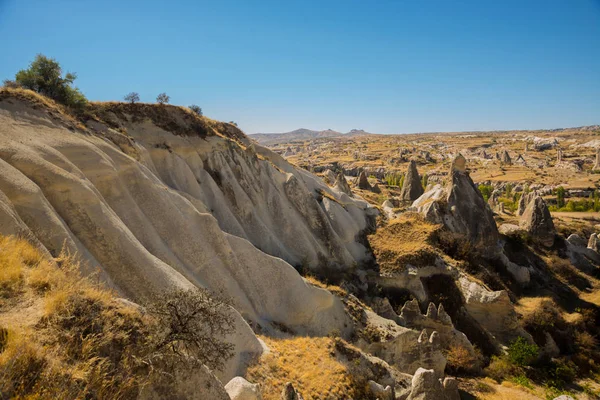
(178, 201)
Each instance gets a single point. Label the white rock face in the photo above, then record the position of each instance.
(166, 211)
(240, 389)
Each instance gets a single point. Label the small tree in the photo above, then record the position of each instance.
(132, 97)
(190, 325)
(162, 98)
(560, 197)
(196, 109)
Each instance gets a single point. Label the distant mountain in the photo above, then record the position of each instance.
(301, 134)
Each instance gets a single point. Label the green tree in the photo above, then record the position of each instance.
(560, 197)
(45, 76)
(486, 191)
(522, 353)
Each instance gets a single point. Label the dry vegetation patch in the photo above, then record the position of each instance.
(406, 240)
(309, 364)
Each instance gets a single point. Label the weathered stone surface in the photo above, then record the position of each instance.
(506, 158)
(493, 310)
(412, 188)
(537, 221)
(363, 181)
(240, 389)
(436, 319)
(179, 211)
(594, 243)
(342, 185)
(462, 209)
(577, 240)
(524, 202)
(379, 391)
(427, 386)
(405, 349)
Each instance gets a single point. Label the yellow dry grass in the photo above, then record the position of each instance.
(407, 239)
(309, 364)
(332, 288)
(45, 351)
(55, 110)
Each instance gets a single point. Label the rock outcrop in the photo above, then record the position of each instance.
(524, 201)
(461, 208)
(177, 205)
(240, 389)
(594, 243)
(505, 158)
(341, 184)
(596, 166)
(427, 386)
(436, 319)
(537, 221)
(412, 188)
(363, 181)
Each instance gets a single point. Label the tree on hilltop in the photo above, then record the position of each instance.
(44, 76)
(196, 109)
(162, 98)
(132, 97)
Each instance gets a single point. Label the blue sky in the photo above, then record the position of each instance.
(386, 66)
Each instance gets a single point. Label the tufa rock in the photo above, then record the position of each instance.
(537, 221)
(412, 188)
(240, 389)
(506, 158)
(524, 202)
(594, 243)
(341, 184)
(426, 385)
(363, 182)
(380, 392)
(461, 208)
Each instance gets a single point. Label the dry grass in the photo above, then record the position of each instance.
(14, 256)
(63, 337)
(309, 364)
(408, 239)
(332, 288)
(54, 110)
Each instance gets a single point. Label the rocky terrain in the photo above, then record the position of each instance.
(398, 267)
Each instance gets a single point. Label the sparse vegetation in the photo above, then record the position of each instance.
(68, 338)
(45, 76)
(196, 109)
(162, 98)
(309, 364)
(132, 97)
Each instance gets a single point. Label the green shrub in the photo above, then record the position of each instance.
(486, 191)
(521, 353)
(501, 368)
(44, 76)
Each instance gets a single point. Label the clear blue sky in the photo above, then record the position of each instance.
(386, 66)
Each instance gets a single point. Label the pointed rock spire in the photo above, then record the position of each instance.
(412, 188)
(341, 184)
(537, 221)
(363, 182)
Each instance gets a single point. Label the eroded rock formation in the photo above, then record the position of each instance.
(412, 187)
(537, 221)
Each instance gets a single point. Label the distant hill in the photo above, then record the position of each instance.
(301, 134)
